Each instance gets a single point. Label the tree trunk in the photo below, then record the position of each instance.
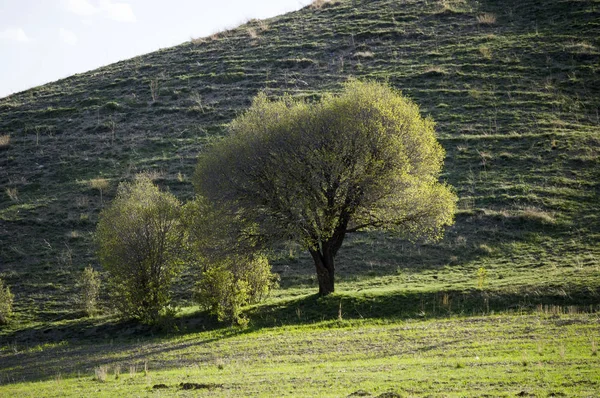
(324, 263)
(324, 255)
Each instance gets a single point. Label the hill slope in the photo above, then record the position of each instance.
(514, 87)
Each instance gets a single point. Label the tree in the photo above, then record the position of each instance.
(89, 290)
(141, 243)
(315, 172)
(6, 302)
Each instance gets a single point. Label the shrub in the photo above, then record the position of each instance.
(225, 287)
(486, 19)
(101, 184)
(233, 273)
(6, 302)
(89, 290)
(112, 106)
(141, 245)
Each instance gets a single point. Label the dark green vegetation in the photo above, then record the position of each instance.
(517, 106)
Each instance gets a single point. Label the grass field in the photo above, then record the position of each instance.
(539, 354)
(505, 304)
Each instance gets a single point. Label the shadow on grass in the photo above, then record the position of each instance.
(83, 347)
(376, 253)
(423, 305)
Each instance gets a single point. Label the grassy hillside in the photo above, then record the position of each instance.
(514, 87)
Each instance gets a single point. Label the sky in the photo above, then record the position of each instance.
(45, 40)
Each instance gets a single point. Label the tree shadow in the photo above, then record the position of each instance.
(376, 253)
(412, 304)
(127, 344)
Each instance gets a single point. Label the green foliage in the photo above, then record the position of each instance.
(213, 233)
(141, 244)
(89, 290)
(6, 302)
(225, 287)
(481, 277)
(313, 172)
(233, 273)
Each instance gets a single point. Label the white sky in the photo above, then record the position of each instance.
(45, 40)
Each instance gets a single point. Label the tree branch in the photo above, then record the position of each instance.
(380, 223)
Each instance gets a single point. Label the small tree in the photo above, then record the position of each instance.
(6, 302)
(312, 173)
(232, 272)
(141, 245)
(225, 287)
(89, 290)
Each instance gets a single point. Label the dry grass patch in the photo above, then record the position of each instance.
(152, 175)
(13, 194)
(485, 52)
(263, 26)
(4, 141)
(101, 373)
(198, 40)
(582, 47)
(435, 71)
(535, 214)
(364, 54)
(101, 184)
(6, 303)
(74, 234)
(98, 183)
(486, 19)
(453, 6)
(317, 4)
(82, 201)
(252, 33)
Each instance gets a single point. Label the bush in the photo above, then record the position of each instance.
(141, 245)
(6, 302)
(225, 287)
(233, 273)
(89, 290)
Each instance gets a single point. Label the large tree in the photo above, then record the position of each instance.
(313, 172)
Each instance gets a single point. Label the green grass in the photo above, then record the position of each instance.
(517, 107)
(538, 354)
